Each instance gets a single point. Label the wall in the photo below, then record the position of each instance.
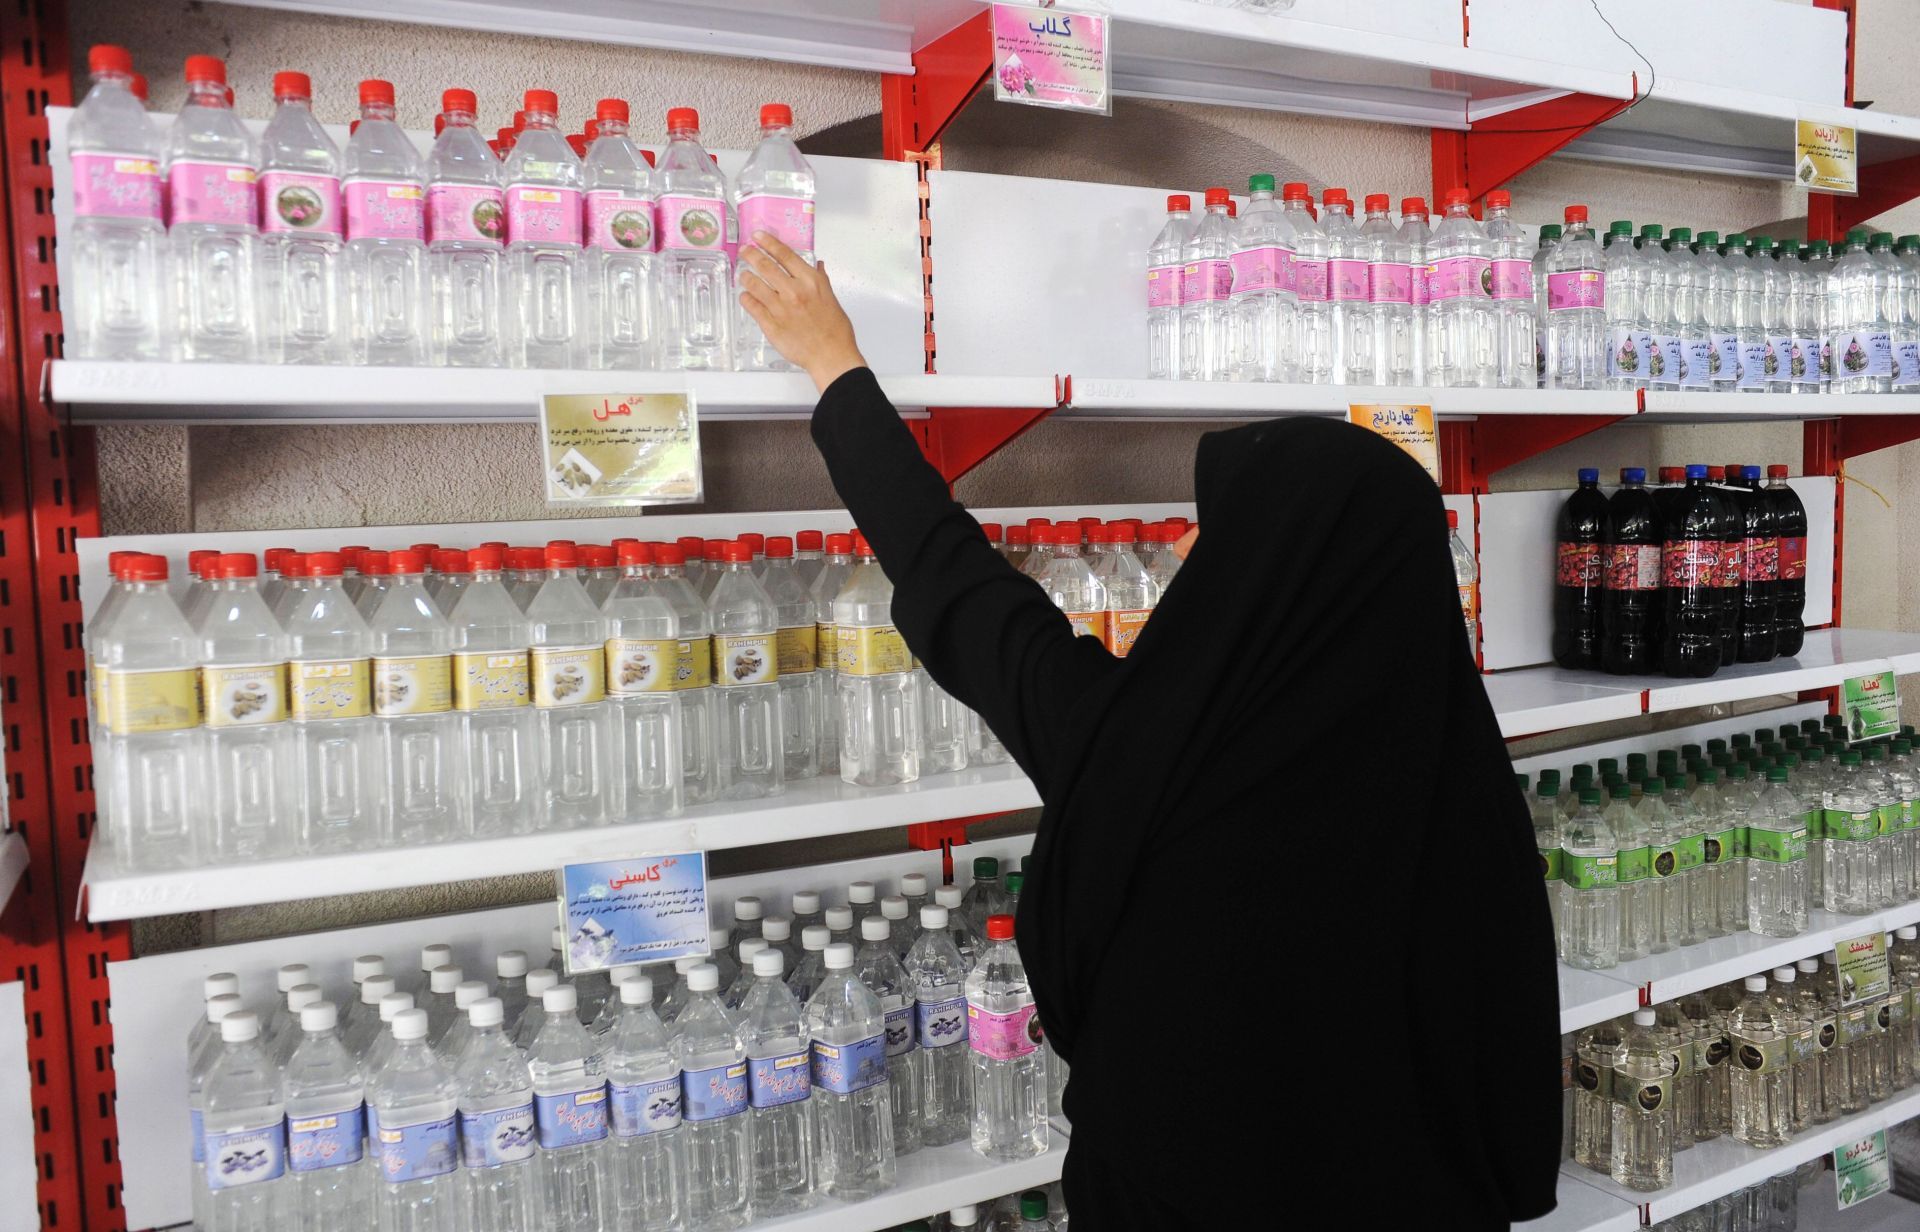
(162, 478)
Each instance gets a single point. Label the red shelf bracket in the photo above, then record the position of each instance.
(947, 73)
(958, 438)
(943, 837)
(1472, 450)
(1490, 153)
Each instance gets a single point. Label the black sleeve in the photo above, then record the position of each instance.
(988, 635)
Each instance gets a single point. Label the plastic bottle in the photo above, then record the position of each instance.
(1349, 303)
(1072, 586)
(851, 1100)
(413, 1101)
(1690, 576)
(643, 658)
(693, 675)
(782, 1117)
(283, 1033)
(966, 941)
(1761, 1069)
(469, 296)
(329, 695)
(567, 643)
(748, 761)
(1663, 357)
(1009, 1068)
(1543, 362)
(1739, 796)
(880, 707)
(204, 1048)
(244, 1130)
(1636, 892)
(1629, 622)
(1863, 343)
(1625, 286)
(213, 170)
(1816, 318)
(1387, 282)
(327, 1187)
(1411, 238)
(796, 647)
(937, 976)
(384, 198)
(452, 1044)
(392, 1005)
(545, 259)
(694, 269)
(1581, 534)
(1206, 290)
(712, 1052)
(1313, 357)
(623, 263)
(362, 1025)
(1643, 1109)
(1460, 304)
(1733, 555)
(570, 1109)
(1590, 904)
(1689, 314)
(1165, 257)
(648, 1153)
(425, 767)
(1716, 291)
(1512, 289)
(303, 271)
(1776, 317)
(878, 965)
(500, 1186)
(1760, 572)
(118, 306)
(155, 744)
(492, 695)
(1777, 891)
(774, 192)
(437, 1000)
(243, 684)
(1894, 282)
(805, 976)
(1578, 347)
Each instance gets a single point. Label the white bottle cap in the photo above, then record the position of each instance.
(220, 1006)
(717, 940)
(291, 974)
(703, 978)
(815, 937)
(914, 885)
(1756, 983)
(375, 987)
(300, 996)
(768, 962)
(510, 964)
(1783, 975)
(839, 956)
(437, 955)
(539, 980)
(1643, 1018)
(487, 1012)
(560, 999)
(559, 939)
(893, 907)
(410, 1025)
(839, 919)
(683, 965)
(776, 928)
(860, 892)
(963, 1216)
(1808, 965)
(806, 902)
(875, 928)
(395, 1004)
(750, 947)
(368, 965)
(219, 984)
(625, 971)
(949, 896)
(636, 990)
(933, 917)
(1906, 932)
(746, 907)
(320, 1016)
(467, 992)
(444, 979)
(239, 1026)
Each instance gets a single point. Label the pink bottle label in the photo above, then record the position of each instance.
(1201, 281)
(1310, 281)
(474, 213)
(1347, 281)
(1512, 279)
(789, 219)
(541, 214)
(296, 203)
(619, 223)
(1163, 286)
(1459, 278)
(1422, 290)
(385, 210)
(220, 193)
(733, 236)
(116, 186)
(693, 223)
(1577, 289)
(1003, 1037)
(1262, 269)
(1389, 282)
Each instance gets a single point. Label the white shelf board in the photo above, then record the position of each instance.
(1538, 699)
(1692, 968)
(19, 1171)
(1819, 1212)
(1826, 658)
(1127, 398)
(1669, 406)
(13, 865)
(808, 809)
(930, 1180)
(1583, 1208)
(1587, 997)
(102, 392)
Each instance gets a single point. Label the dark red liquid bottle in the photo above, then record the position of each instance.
(1580, 536)
(1790, 530)
(1630, 613)
(1691, 578)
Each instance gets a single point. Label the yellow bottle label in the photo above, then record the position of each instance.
(1089, 624)
(745, 658)
(244, 695)
(331, 689)
(140, 703)
(796, 649)
(416, 684)
(639, 665)
(1123, 630)
(876, 650)
(696, 664)
(827, 643)
(97, 685)
(490, 680)
(569, 675)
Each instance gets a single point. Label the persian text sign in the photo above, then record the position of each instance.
(1824, 158)
(646, 909)
(1863, 972)
(620, 449)
(1871, 705)
(1861, 1169)
(1408, 426)
(1048, 57)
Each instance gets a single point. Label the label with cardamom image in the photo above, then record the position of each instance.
(490, 680)
(641, 665)
(412, 684)
(745, 658)
(141, 703)
(244, 694)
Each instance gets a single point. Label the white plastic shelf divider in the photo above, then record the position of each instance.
(1587, 997)
(1583, 1208)
(930, 1180)
(13, 865)
(1671, 407)
(1538, 699)
(1692, 968)
(1096, 397)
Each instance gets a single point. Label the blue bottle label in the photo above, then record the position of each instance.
(645, 1107)
(942, 1022)
(199, 1147)
(416, 1152)
(572, 1118)
(501, 1136)
(773, 1081)
(846, 1068)
(332, 1140)
(1906, 363)
(1753, 364)
(900, 1030)
(1726, 357)
(246, 1156)
(714, 1093)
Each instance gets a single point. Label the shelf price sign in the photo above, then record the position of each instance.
(620, 448)
(1871, 705)
(1863, 971)
(1861, 1169)
(1824, 158)
(1408, 426)
(1048, 57)
(649, 908)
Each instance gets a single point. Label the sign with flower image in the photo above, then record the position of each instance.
(1049, 57)
(620, 449)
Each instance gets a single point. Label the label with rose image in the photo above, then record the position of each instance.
(1310, 280)
(298, 203)
(219, 194)
(1201, 281)
(1755, 357)
(1576, 289)
(1862, 354)
(384, 209)
(1577, 564)
(789, 219)
(1459, 278)
(1163, 286)
(1390, 282)
(1633, 566)
(1268, 268)
(692, 223)
(116, 186)
(795, 649)
(413, 684)
(1512, 279)
(468, 213)
(744, 659)
(874, 650)
(569, 675)
(490, 680)
(619, 223)
(543, 214)
(1692, 563)
(641, 665)
(1347, 281)
(1003, 1037)
(244, 694)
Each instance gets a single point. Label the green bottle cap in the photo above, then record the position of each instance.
(1549, 789)
(1520, 781)
(1549, 776)
(1819, 248)
(1549, 231)
(1261, 182)
(1636, 759)
(1762, 243)
(1859, 235)
(1033, 1205)
(1014, 882)
(1850, 758)
(985, 866)
(1777, 775)
(1681, 235)
(1620, 227)
(1788, 760)
(1583, 771)
(1676, 782)
(1589, 795)
(1716, 745)
(1608, 765)
(1708, 238)
(1740, 740)
(1707, 774)
(1737, 771)
(1689, 751)
(1902, 747)
(1813, 753)
(1882, 237)
(1622, 791)
(1651, 231)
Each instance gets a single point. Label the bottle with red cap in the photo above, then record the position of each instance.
(643, 665)
(493, 697)
(1790, 527)
(545, 256)
(93, 636)
(809, 556)
(879, 690)
(423, 760)
(1009, 1066)
(1389, 294)
(293, 584)
(1131, 594)
(452, 573)
(1266, 310)
(943, 727)
(193, 602)
(213, 171)
(836, 564)
(1349, 307)
(243, 689)
(568, 641)
(1165, 256)
(1073, 587)
(303, 264)
(1207, 346)
(1576, 308)
(1416, 234)
(154, 752)
(376, 578)
(1313, 337)
(749, 760)
(622, 282)
(696, 284)
(1463, 341)
(116, 304)
(330, 700)
(1512, 274)
(693, 678)
(798, 647)
(773, 193)
(384, 198)
(466, 238)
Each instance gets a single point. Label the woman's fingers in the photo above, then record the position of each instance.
(767, 271)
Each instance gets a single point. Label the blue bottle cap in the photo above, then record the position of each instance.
(1589, 474)
(1749, 472)
(1696, 471)
(1634, 474)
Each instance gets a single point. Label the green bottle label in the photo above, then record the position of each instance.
(1665, 860)
(1854, 1024)
(1692, 851)
(1816, 820)
(1636, 864)
(1549, 862)
(1863, 827)
(1589, 872)
(1717, 846)
(1776, 846)
(1834, 824)
(1739, 834)
(1761, 1056)
(1647, 1096)
(1888, 816)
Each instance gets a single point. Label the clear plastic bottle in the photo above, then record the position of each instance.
(695, 277)
(213, 226)
(1715, 289)
(303, 264)
(1313, 335)
(1688, 312)
(545, 259)
(879, 690)
(1206, 291)
(1777, 898)
(328, 1185)
(466, 235)
(204, 1047)
(1466, 578)
(1590, 859)
(119, 304)
(243, 1129)
(155, 744)
(452, 1045)
(1821, 318)
(692, 674)
(1165, 257)
(712, 1052)
(1544, 805)
(1903, 330)
(568, 650)
(966, 939)
(570, 1109)
(1576, 308)
(1131, 595)
(1071, 584)
(643, 657)
(774, 192)
(1625, 286)
(1761, 1069)
(1512, 273)
(1891, 885)
(1389, 277)
(1663, 355)
(534, 1016)
(748, 761)
(1852, 828)
(1544, 360)
(823, 590)
(1414, 234)
(413, 1101)
(385, 198)
(249, 743)
(1776, 314)
(493, 696)
(1349, 304)
(1803, 357)
(783, 1132)
(937, 976)
(329, 695)
(437, 1000)
(1635, 888)
(851, 1101)
(1863, 341)
(284, 1033)
(797, 647)
(500, 1186)
(805, 976)
(1738, 796)
(622, 282)
(1009, 1067)
(878, 965)
(648, 1155)
(424, 797)
(1643, 1109)
(1460, 309)
(362, 1025)
(391, 1006)
(943, 727)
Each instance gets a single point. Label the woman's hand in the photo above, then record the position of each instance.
(795, 307)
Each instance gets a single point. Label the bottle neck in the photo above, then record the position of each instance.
(206, 94)
(691, 135)
(539, 119)
(298, 101)
(376, 111)
(775, 130)
(458, 119)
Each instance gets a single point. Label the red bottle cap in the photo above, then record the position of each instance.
(138, 86)
(808, 541)
(200, 561)
(840, 545)
(577, 144)
(1457, 196)
(668, 554)
(146, 568)
(1716, 474)
(1335, 196)
(992, 531)
(374, 90)
(1777, 470)
(776, 115)
(611, 109)
(292, 85)
(999, 928)
(716, 549)
(206, 68)
(1294, 190)
(546, 102)
(104, 58)
(1453, 519)
(1376, 203)
(757, 542)
(375, 564)
(324, 564)
(1218, 196)
(294, 564)
(735, 552)
(598, 556)
(1413, 205)
(236, 565)
(1120, 532)
(276, 557)
(860, 545)
(453, 560)
(459, 100)
(561, 555)
(1179, 201)
(779, 547)
(406, 560)
(680, 119)
(1019, 534)
(487, 557)
(632, 552)
(1576, 213)
(1499, 199)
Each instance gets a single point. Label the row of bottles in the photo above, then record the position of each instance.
(339, 700)
(1760, 1061)
(536, 249)
(1741, 836)
(1703, 571)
